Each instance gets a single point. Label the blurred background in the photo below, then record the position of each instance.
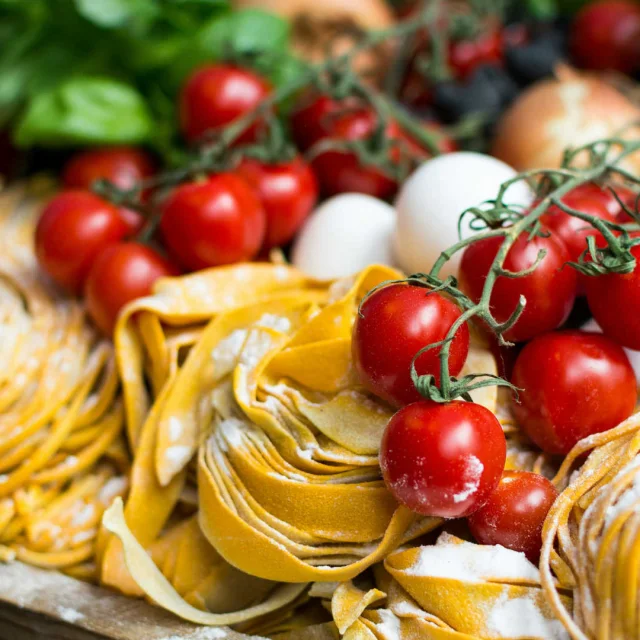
(77, 73)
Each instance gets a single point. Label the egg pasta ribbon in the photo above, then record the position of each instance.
(62, 454)
(592, 536)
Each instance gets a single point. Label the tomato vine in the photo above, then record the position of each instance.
(605, 158)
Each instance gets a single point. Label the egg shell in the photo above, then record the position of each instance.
(344, 235)
(433, 197)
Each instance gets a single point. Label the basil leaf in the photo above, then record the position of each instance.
(250, 35)
(542, 9)
(115, 13)
(243, 33)
(86, 110)
(571, 6)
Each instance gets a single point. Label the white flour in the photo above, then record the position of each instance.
(630, 498)
(472, 476)
(521, 617)
(70, 615)
(470, 562)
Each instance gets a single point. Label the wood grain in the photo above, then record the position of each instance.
(40, 604)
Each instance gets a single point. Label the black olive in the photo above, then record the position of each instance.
(538, 58)
(488, 91)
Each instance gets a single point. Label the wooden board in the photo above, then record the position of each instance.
(40, 604)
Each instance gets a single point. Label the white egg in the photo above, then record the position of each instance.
(433, 197)
(344, 235)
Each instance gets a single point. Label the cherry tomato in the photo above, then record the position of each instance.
(514, 515)
(466, 55)
(123, 166)
(73, 228)
(393, 325)
(446, 144)
(614, 301)
(443, 460)
(311, 120)
(121, 273)
(342, 171)
(288, 192)
(216, 221)
(571, 230)
(631, 200)
(550, 290)
(592, 191)
(573, 384)
(574, 232)
(606, 35)
(217, 94)
(416, 90)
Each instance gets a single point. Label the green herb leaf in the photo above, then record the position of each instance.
(543, 9)
(242, 33)
(249, 35)
(115, 13)
(86, 110)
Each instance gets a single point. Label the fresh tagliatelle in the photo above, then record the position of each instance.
(63, 456)
(254, 497)
(591, 538)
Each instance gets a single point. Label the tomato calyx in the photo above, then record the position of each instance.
(611, 255)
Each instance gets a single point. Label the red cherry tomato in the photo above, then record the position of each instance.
(606, 35)
(614, 301)
(217, 94)
(342, 171)
(123, 166)
(550, 290)
(573, 384)
(73, 228)
(446, 144)
(288, 192)
(443, 460)
(394, 324)
(631, 200)
(213, 222)
(121, 273)
(311, 120)
(514, 515)
(571, 230)
(593, 191)
(467, 55)
(416, 90)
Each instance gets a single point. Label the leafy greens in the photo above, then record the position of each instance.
(76, 72)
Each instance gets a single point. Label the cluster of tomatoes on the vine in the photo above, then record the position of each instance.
(86, 244)
(447, 459)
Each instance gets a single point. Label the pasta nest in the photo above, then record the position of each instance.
(592, 537)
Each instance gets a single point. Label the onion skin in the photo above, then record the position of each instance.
(568, 111)
(316, 24)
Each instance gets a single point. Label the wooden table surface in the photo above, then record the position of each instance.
(39, 604)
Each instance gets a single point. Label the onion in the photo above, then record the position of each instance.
(568, 111)
(319, 23)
